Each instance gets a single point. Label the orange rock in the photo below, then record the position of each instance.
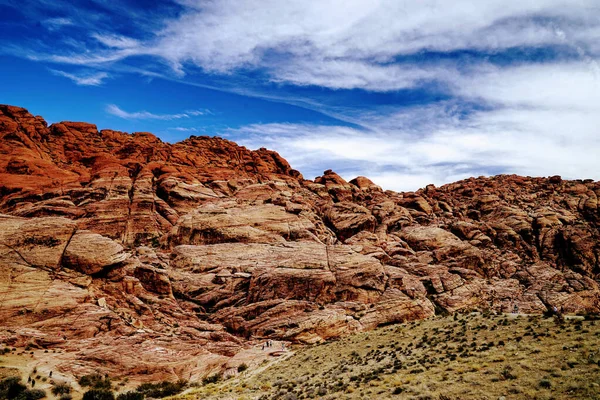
(119, 248)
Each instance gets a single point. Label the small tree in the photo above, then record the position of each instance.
(11, 387)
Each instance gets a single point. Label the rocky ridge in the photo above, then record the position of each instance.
(131, 255)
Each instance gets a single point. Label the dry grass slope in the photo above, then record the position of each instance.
(462, 357)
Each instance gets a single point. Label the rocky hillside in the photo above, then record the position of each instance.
(126, 254)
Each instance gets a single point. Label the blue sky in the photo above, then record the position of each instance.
(407, 93)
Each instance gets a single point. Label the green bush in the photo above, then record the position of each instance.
(212, 378)
(545, 383)
(131, 396)
(11, 387)
(98, 394)
(242, 367)
(162, 389)
(95, 381)
(31, 394)
(61, 388)
(397, 390)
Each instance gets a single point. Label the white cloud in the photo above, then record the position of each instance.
(118, 112)
(544, 122)
(183, 129)
(536, 118)
(116, 41)
(344, 74)
(53, 24)
(350, 43)
(83, 78)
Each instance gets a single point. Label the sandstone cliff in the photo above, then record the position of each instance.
(136, 256)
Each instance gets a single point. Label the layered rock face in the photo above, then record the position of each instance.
(160, 260)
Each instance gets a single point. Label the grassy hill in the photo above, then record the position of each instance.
(458, 357)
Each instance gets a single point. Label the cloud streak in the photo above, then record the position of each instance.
(83, 78)
(115, 110)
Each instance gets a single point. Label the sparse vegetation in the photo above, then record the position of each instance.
(161, 389)
(98, 394)
(214, 378)
(132, 395)
(60, 388)
(464, 356)
(95, 381)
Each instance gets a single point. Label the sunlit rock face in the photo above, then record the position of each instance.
(173, 260)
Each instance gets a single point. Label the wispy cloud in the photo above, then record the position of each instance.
(491, 111)
(83, 78)
(541, 121)
(56, 23)
(183, 129)
(118, 112)
(310, 42)
(116, 41)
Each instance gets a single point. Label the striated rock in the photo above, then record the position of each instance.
(365, 184)
(117, 249)
(91, 253)
(348, 219)
(38, 242)
(234, 222)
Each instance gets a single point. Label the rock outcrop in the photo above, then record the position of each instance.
(160, 260)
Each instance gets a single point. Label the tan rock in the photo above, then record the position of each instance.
(91, 253)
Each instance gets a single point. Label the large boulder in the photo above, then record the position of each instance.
(91, 253)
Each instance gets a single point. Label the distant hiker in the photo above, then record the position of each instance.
(516, 309)
(555, 309)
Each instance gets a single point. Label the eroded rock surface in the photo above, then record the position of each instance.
(158, 260)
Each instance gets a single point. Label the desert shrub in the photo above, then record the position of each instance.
(31, 394)
(161, 389)
(507, 373)
(397, 390)
(242, 367)
(559, 319)
(65, 397)
(11, 387)
(95, 381)
(98, 394)
(212, 378)
(545, 383)
(61, 388)
(132, 395)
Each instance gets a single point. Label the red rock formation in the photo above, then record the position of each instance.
(114, 245)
